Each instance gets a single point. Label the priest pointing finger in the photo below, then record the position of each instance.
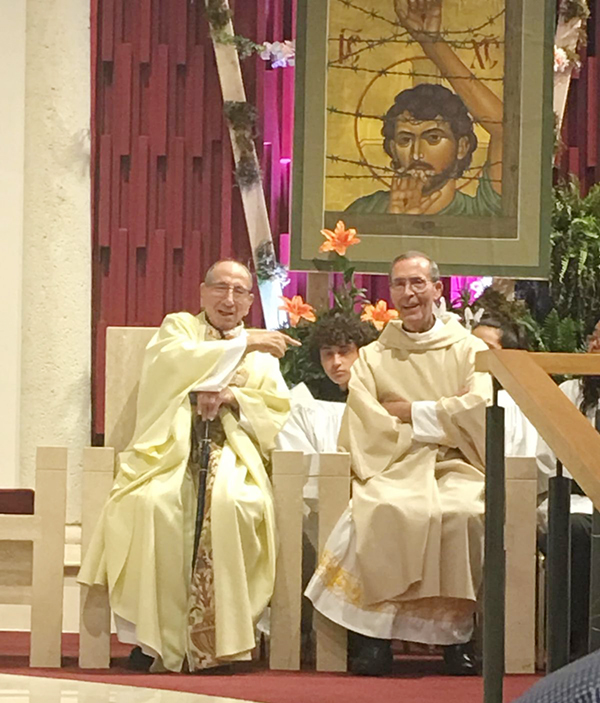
(186, 610)
(405, 560)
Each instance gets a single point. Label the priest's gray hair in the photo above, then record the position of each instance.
(434, 269)
(210, 273)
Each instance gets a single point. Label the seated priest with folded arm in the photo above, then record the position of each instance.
(205, 378)
(405, 560)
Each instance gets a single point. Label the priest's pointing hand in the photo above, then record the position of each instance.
(274, 343)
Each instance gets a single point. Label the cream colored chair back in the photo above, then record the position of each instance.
(125, 347)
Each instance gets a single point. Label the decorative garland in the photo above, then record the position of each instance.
(242, 117)
(219, 16)
(267, 266)
(573, 9)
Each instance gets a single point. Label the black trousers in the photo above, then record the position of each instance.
(581, 540)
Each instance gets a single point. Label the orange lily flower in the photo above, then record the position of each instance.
(340, 239)
(379, 314)
(297, 309)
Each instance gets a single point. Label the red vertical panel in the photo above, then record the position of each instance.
(194, 112)
(145, 30)
(139, 196)
(175, 192)
(287, 113)
(592, 111)
(226, 241)
(117, 278)
(158, 100)
(582, 122)
(104, 190)
(155, 276)
(98, 376)
(574, 159)
(108, 29)
(178, 29)
(122, 96)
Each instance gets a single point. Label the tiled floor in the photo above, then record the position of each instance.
(30, 689)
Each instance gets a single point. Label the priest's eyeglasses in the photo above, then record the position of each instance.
(417, 284)
(222, 289)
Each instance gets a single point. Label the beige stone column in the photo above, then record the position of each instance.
(12, 130)
(56, 304)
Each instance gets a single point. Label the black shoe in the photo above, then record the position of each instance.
(459, 660)
(138, 661)
(374, 658)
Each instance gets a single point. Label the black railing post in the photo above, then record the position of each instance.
(494, 564)
(558, 574)
(594, 638)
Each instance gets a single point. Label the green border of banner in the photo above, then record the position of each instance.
(519, 240)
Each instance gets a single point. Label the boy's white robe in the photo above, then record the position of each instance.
(142, 547)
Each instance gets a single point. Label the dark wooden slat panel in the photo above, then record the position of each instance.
(158, 99)
(145, 30)
(117, 278)
(155, 277)
(178, 29)
(104, 190)
(107, 19)
(139, 199)
(592, 111)
(122, 96)
(194, 112)
(175, 192)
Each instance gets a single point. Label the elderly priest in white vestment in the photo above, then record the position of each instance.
(189, 613)
(405, 560)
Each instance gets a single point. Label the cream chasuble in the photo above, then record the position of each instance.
(142, 547)
(405, 560)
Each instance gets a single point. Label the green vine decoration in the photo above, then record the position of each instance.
(218, 15)
(242, 117)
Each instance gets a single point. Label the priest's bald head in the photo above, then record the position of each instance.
(415, 287)
(226, 294)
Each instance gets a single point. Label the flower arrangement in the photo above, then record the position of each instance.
(298, 310)
(379, 314)
(281, 54)
(298, 364)
(339, 240)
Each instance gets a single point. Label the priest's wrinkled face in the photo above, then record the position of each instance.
(226, 294)
(414, 293)
(337, 362)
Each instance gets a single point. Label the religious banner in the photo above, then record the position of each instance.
(426, 124)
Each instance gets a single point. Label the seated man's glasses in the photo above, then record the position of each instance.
(417, 284)
(222, 289)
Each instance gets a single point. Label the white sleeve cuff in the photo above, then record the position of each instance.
(426, 427)
(222, 375)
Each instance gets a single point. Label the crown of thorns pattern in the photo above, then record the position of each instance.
(403, 37)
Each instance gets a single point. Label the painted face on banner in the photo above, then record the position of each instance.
(427, 150)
